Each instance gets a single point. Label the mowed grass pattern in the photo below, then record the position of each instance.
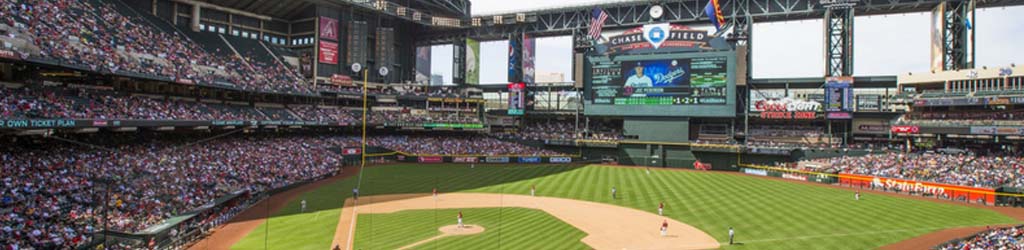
(767, 214)
(518, 227)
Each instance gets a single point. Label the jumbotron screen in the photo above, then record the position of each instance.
(681, 84)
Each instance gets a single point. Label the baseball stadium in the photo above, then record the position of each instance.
(530, 124)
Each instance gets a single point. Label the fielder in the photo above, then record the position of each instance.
(661, 208)
(664, 228)
(613, 193)
(303, 205)
(731, 235)
(435, 196)
(856, 196)
(533, 190)
(460, 219)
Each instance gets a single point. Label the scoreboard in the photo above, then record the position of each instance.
(699, 84)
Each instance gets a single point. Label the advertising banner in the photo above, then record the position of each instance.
(560, 160)
(755, 171)
(329, 28)
(423, 65)
(970, 101)
(465, 160)
(938, 23)
(472, 61)
(529, 52)
(662, 37)
(351, 151)
(431, 159)
(994, 130)
(791, 176)
(328, 52)
(9, 54)
(871, 126)
(515, 67)
(905, 129)
(938, 189)
(495, 159)
(529, 159)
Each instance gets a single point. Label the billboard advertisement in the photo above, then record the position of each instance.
(659, 37)
(495, 159)
(517, 98)
(328, 52)
(465, 160)
(871, 126)
(532, 159)
(560, 160)
(938, 189)
(937, 23)
(423, 65)
(529, 53)
(431, 159)
(514, 57)
(905, 129)
(472, 61)
(351, 151)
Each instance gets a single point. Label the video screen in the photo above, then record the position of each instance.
(701, 80)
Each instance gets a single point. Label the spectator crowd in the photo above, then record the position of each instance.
(956, 169)
(1010, 238)
(455, 145)
(53, 193)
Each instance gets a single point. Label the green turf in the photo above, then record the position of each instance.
(516, 227)
(767, 214)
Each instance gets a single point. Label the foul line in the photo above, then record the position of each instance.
(352, 225)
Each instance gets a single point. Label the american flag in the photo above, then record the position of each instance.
(597, 22)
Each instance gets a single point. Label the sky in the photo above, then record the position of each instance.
(883, 45)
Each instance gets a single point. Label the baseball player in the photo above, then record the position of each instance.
(613, 193)
(664, 228)
(303, 205)
(648, 169)
(460, 219)
(731, 235)
(856, 196)
(435, 195)
(355, 193)
(661, 208)
(533, 190)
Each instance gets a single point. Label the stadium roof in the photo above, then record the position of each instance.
(274, 8)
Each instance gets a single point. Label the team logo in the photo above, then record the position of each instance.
(656, 33)
(329, 28)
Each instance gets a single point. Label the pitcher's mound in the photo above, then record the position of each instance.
(465, 230)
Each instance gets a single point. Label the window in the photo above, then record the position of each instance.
(202, 27)
(234, 32)
(221, 30)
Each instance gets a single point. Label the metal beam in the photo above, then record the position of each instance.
(562, 21)
(957, 39)
(839, 42)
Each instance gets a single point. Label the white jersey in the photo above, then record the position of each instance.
(640, 81)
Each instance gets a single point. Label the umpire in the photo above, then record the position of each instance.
(355, 193)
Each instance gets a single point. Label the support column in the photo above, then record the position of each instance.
(839, 41)
(957, 34)
(196, 12)
(459, 60)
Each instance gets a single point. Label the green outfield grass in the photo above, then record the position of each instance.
(767, 213)
(518, 227)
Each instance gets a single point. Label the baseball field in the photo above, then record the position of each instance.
(400, 211)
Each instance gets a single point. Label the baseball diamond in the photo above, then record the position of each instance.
(519, 125)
